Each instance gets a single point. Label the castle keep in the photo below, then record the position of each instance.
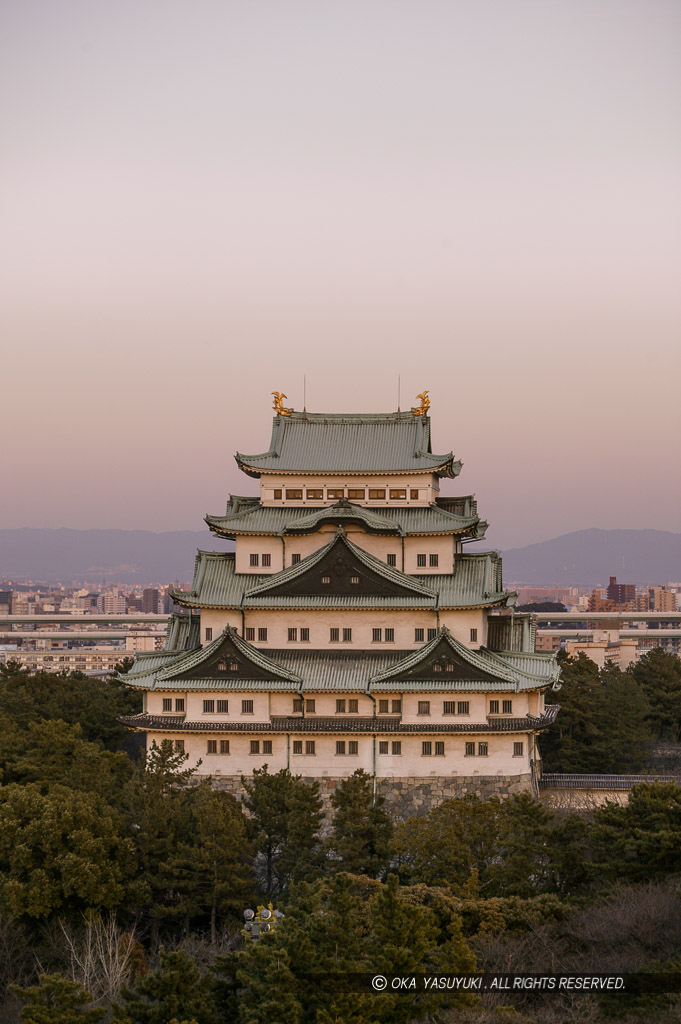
(351, 628)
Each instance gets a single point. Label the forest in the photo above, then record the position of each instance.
(124, 878)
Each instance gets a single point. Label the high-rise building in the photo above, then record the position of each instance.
(351, 628)
(150, 600)
(621, 593)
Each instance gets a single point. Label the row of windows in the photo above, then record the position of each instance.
(265, 560)
(350, 748)
(337, 635)
(353, 493)
(386, 706)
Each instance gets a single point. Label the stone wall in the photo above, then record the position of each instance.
(406, 797)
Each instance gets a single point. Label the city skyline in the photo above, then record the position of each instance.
(203, 206)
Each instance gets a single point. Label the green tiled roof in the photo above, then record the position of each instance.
(183, 632)
(193, 660)
(256, 519)
(350, 443)
(473, 585)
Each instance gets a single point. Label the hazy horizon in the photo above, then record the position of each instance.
(201, 205)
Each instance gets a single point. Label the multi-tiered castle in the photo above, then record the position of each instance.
(350, 628)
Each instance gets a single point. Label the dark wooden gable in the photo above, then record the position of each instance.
(227, 662)
(443, 663)
(340, 573)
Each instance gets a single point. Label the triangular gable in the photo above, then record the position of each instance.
(341, 569)
(228, 657)
(343, 512)
(445, 658)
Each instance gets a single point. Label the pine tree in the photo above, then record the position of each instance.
(56, 1000)
(659, 675)
(362, 830)
(175, 989)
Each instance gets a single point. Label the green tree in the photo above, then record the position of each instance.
(659, 676)
(270, 989)
(362, 830)
(56, 1000)
(61, 851)
(287, 817)
(175, 989)
(641, 840)
(211, 863)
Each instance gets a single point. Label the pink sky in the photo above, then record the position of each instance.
(203, 202)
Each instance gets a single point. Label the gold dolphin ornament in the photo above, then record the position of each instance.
(279, 404)
(422, 409)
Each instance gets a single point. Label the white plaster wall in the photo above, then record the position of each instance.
(443, 547)
(460, 622)
(325, 704)
(320, 621)
(261, 706)
(216, 619)
(426, 483)
(245, 546)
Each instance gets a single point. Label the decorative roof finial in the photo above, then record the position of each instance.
(421, 409)
(279, 405)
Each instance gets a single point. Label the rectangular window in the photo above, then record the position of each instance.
(309, 746)
(335, 493)
(494, 707)
(224, 746)
(432, 633)
(255, 559)
(390, 635)
(356, 493)
(421, 561)
(470, 749)
(433, 561)
(383, 746)
(397, 707)
(266, 561)
(292, 633)
(334, 635)
(419, 636)
(463, 707)
(277, 493)
(414, 494)
(209, 633)
(208, 707)
(353, 706)
(517, 750)
(325, 579)
(439, 749)
(376, 493)
(354, 580)
(167, 703)
(297, 746)
(179, 746)
(315, 494)
(250, 633)
(340, 707)
(353, 747)
(305, 635)
(383, 706)
(223, 707)
(347, 636)
(297, 705)
(507, 707)
(377, 635)
(426, 748)
(392, 561)
(424, 707)
(340, 746)
(398, 493)
(246, 707)
(255, 746)
(267, 746)
(295, 559)
(294, 493)
(474, 636)
(262, 633)
(310, 706)
(449, 707)
(212, 747)
(482, 750)
(179, 704)
(397, 747)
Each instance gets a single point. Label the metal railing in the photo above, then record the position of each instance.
(555, 781)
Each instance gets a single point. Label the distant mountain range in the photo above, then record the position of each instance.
(583, 558)
(590, 557)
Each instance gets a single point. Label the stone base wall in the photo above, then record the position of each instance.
(408, 797)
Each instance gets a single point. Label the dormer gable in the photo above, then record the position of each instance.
(444, 658)
(228, 657)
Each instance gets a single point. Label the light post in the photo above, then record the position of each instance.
(261, 921)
